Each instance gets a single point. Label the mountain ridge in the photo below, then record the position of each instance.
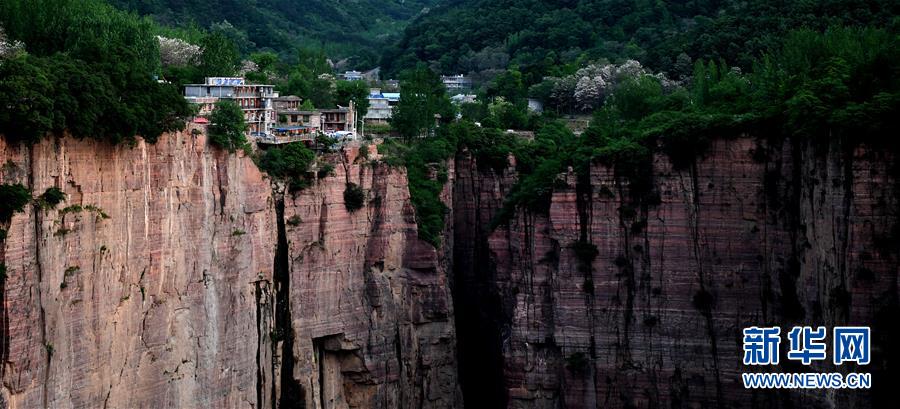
(344, 28)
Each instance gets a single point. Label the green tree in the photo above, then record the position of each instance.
(13, 199)
(220, 56)
(508, 85)
(354, 197)
(266, 65)
(311, 79)
(89, 70)
(423, 97)
(227, 126)
(289, 163)
(26, 93)
(356, 91)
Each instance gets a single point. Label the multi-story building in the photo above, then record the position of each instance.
(381, 106)
(309, 119)
(288, 102)
(341, 119)
(256, 101)
(456, 82)
(289, 113)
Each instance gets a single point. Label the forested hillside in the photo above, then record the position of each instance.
(542, 37)
(345, 28)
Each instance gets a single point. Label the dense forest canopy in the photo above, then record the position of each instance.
(82, 67)
(345, 29)
(554, 37)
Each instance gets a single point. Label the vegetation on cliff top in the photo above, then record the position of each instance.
(838, 85)
(87, 69)
(841, 84)
(227, 126)
(289, 163)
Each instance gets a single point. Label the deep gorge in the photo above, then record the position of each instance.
(205, 286)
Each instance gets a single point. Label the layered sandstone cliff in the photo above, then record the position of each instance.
(370, 304)
(177, 275)
(142, 292)
(779, 233)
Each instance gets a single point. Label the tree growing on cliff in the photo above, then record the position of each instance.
(87, 69)
(354, 197)
(26, 105)
(228, 126)
(289, 163)
(50, 198)
(13, 199)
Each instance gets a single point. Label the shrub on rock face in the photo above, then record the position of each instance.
(51, 197)
(13, 198)
(578, 363)
(704, 301)
(354, 197)
(586, 252)
(325, 171)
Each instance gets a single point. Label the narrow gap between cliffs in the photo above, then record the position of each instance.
(291, 391)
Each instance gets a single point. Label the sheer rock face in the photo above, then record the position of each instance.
(371, 307)
(161, 291)
(753, 234)
(144, 296)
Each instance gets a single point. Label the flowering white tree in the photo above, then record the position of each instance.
(247, 66)
(588, 88)
(177, 52)
(590, 92)
(9, 48)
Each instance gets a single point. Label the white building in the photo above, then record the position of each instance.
(456, 82)
(381, 106)
(255, 100)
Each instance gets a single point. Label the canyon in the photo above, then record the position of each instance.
(178, 275)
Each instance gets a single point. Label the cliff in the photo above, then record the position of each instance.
(618, 298)
(174, 275)
(370, 303)
(141, 294)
